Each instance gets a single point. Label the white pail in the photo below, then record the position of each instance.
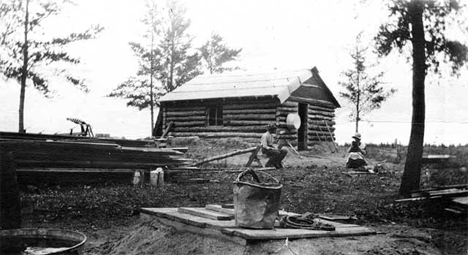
(157, 177)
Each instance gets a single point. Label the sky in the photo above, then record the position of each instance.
(273, 35)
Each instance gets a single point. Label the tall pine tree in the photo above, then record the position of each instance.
(215, 53)
(362, 90)
(25, 54)
(422, 25)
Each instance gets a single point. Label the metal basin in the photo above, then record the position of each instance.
(41, 241)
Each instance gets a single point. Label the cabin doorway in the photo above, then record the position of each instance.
(302, 132)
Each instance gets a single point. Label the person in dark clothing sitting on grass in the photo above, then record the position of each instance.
(275, 155)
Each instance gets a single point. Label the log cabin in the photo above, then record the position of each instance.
(242, 104)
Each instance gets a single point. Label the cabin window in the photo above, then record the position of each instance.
(214, 115)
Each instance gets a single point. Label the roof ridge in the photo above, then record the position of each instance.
(253, 73)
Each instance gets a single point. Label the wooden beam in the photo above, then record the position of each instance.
(227, 155)
(167, 129)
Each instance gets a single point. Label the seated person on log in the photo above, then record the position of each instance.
(356, 151)
(275, 155)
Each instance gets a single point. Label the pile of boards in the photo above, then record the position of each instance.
(454, 196)
(67, 153)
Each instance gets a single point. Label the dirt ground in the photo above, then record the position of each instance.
(315, 179)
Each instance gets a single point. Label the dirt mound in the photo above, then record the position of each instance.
(150, 237)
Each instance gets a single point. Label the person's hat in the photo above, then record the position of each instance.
(357, 136)
(271, 126)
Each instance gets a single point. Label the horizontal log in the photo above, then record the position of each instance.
(319, 127)
(240, 106)
(315, 112)
(248, 111)
(290, 104)
(221, 129)
(216, 134)
(250, 117)
(320, 133)
(287, 137)
(321, 108)
(186, 113)
(184, 118)
(312, 101)
(320, 117)
(321, 122)
(323, 130)
(185, 109)
(189, 123)
(247, 122)
(287, 109)
(320, 138)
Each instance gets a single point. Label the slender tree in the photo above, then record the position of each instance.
(423, 25)
(215, 53)
(140, 90)
(25, 54)
(361, 89)
(179, 62)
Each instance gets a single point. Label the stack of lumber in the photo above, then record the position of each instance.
(86, 154)
(55, 137)
(456, 197)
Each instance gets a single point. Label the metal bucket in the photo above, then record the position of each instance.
(41, 241)
(256, 204)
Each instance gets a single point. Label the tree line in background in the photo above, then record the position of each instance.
(168, 59)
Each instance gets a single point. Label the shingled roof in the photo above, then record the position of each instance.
(280, 84)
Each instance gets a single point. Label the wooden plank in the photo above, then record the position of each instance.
(78, 170)
(268, 234)
(436, 159)
(227, 155)
(460, 200)
(449, 192)
(228, 228)
(202, 212)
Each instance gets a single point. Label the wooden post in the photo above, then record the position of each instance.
(333, 140)
(167, 129)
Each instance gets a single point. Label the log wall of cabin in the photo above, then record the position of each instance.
(320, 120)
(241, 118)
(248, 119)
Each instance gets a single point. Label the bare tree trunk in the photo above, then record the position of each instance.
(412, 172)
(151, 85)
(24, 71)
